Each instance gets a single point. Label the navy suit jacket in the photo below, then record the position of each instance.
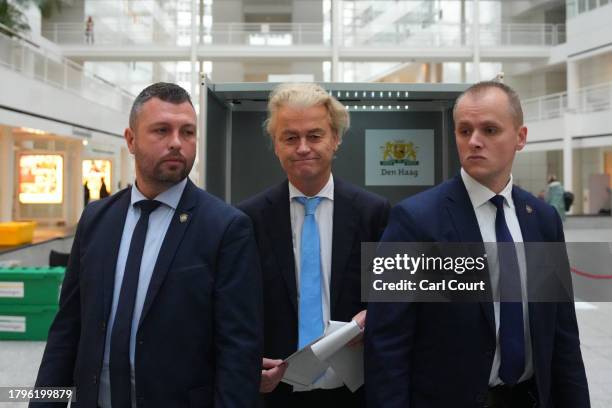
(440, 354)
(199, 337)
(359, 216)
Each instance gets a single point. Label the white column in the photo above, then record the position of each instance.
(75, 180)
(7, 173)
(463, 40)
(476, 40)
(202, 135)
(573, 84)
(568, 153)
(336, 25)
(194, 47)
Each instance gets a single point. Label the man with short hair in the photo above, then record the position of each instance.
(161, 303)
(309, 230)
(488, 354)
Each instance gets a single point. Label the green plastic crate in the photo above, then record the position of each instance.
(31, 286)
(25, 322)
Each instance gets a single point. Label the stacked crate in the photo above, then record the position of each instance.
(29, 299)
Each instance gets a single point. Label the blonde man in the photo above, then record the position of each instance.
(309, 229)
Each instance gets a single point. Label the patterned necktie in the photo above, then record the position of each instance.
(120, 373)
(511, 329)
(310, 307)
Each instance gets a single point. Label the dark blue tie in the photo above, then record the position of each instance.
(120, 373)
(511, 329)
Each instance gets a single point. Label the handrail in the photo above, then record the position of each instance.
(14, 33)
(313, 33)
(28, 58)
(592, 98)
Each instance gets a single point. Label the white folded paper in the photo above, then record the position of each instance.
(330, 350)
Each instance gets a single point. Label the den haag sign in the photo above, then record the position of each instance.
(399, 157)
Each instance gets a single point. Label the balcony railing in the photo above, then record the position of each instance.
(273, 34)
(588, 99)
(522, 34)
(454, 35)
(287, 34)
(544, 107)
(74, 33)
(269, 34)
(594, 98)
(22, 55)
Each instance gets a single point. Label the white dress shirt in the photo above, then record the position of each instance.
(159, 221)
(485, 215)
(324, 216)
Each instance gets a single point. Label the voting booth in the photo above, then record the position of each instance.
(400, 140)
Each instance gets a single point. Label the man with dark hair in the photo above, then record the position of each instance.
(494, 354)
(161, 304)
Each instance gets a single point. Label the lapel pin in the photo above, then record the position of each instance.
(183, 217)
(529, 209)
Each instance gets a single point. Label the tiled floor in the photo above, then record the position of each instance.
(19, 360)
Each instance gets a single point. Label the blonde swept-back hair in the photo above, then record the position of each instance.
(306, 95)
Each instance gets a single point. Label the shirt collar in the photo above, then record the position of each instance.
(480, 194)
(170, 197)
(326, 192)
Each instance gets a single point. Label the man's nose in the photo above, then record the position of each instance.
(303, 146)
(475, 139)
(174, 143)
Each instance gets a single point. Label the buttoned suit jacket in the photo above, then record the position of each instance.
(439, 354)
(358, 216)
(198, 342)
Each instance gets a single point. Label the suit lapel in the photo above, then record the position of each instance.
(343, 236)
(115, 216)
(462, 213)
(466, 226)
(530, 231)
(278, 227)
(527, 217)
(178, 225)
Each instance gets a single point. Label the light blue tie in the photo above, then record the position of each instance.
(310, 308)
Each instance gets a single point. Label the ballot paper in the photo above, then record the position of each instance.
(308, 364)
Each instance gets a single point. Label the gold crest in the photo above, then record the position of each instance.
(529, 209)
(183, 217)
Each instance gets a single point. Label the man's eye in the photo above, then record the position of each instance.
(464, 132)
(490, 130)
(160, 130)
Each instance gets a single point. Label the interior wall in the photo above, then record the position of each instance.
(307, 11)
(227, 11)
(529, 171)
(596, 70)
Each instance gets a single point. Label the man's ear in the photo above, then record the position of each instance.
(522, 138)
(336, 140)
(129, 135)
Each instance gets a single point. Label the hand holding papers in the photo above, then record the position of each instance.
(331, 350)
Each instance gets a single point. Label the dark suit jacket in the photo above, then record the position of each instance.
(359, 216)
(440, 355)
(199, 337)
